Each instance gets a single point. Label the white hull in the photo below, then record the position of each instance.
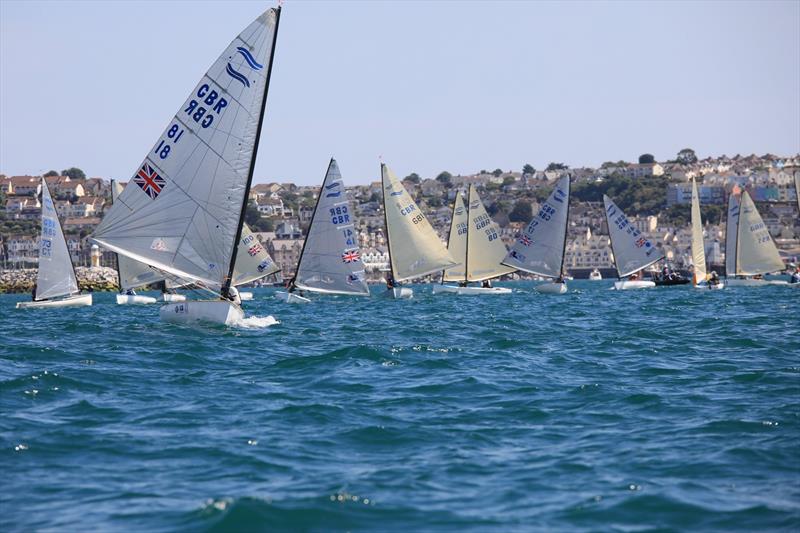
(399, 293)
(171, 298)
(246, 296)
(710, 287)
(552, 288)
(595, 276)
(79, 300)
(127, 299)
(747, 282)
(452, 289)
(209, 311)
(291, 298)
(627, 285)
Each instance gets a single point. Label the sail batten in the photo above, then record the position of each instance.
(540, 247)
(632, 250)
(485, 248)
(698, 247)
(56, 274)
(415, 249)
(756, 252)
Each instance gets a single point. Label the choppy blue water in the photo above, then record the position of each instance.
(665, 409)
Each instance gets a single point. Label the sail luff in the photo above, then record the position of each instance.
(566, 227)
(698, 248)
(485, 248)
(246, 199)
(797, 189)
(53, 278)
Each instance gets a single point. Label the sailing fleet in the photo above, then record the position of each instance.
(180, 220)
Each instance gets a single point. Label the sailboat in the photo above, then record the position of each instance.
(540, 248)
(749, 248)
(797, 188)
(132, 274)
(700, 276)
(185, 214)
(415, 249)
(252, 263)
(475, 240)
(330, 261)
(632, 250)
(56, 282)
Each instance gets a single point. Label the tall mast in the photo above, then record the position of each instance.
(566, 231)
(469, 226)
(452, 221)
(246, 198)
(119, 272)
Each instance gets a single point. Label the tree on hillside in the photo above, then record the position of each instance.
(496, 207)
(444, 178)
(528, 170)
(522, 212)
(50, 173)
(686, 156)
(556, 166)
(497, 172)
(646, 159)
(413, 178)
(74, 173)
(508, 180)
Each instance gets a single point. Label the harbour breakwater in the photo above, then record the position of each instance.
(89, 279)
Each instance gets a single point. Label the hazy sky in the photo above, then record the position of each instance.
(430, 86)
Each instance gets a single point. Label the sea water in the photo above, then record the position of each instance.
(665, 409)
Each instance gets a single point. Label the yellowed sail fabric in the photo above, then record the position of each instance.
(457, 242)
(485, 248)
(756, 252)
(414, 247)
(698, 249)
(252, 259)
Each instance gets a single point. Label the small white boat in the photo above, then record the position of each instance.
(399, 293)
(595, 275)
(291, 298)
(210, 311)
(78, 300)
(552, 288)
(454, 289)
(134, 299)
(700, 276)
(171, 297)
(631, 284)
(245, 296)
(709, 286)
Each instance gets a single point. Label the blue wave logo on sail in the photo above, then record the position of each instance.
(255, 65)
(398, 193)
(237, 75)
(333, 186)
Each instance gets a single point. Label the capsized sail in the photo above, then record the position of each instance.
(632, 250)
(132, 273)
(485, 248)
(331, 259)
(182, 211)
(731, 229)
(56, 276)
(252, 260)
(457, 241)
(540, 247)
(698, 248)
(756, 252)
(414, 247)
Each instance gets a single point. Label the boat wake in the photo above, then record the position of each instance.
(256, 322)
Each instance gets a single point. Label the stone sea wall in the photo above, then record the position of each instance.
(89, 279)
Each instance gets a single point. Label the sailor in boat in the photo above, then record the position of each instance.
(713, 279)
(390, 284)
(634, 276)
(130, 292)
(165, 289)
(487, 284)
(33, 293)
(795, 275)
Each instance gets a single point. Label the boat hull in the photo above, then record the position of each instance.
(79, 300)
(467, 291)
(747, 282)
(709, 286)
(171, 298)
(627, 284)
(552, 288)
(399, 293)
(671, 282)
(291, 298)
(219, 312)
(246, 296)
(134, 299)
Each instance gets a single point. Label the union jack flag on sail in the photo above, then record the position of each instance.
(525, 240)
(254, 250)
(351, 257)
(149, 181)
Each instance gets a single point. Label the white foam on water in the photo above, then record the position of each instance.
(256, 322)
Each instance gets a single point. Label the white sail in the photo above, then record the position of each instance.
(457, 241)
(132, 273)
(414, 247)
(756, 252)
(698, 248)
(540, 247)
(797, 188)
(56, 276)
(731, 229)
(182, 210)
(252, 259)
(485, 248)
(632, 250)
(331, 259)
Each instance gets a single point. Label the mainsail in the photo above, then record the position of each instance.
(331, 259)
(731, 229)
(632, 250)
(698, 248)
(56, 276)
(252, 259)
(457, 241)
(132, 273)
(485, 248)
(756, 252)
(797, 188)
(540, 247)
(414, 247)
(182, 213)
